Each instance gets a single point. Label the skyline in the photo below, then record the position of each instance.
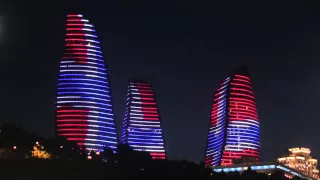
(185, 56)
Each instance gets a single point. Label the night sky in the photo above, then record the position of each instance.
(185, 49)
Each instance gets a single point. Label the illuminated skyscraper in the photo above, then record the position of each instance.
(233, 135)
(84, 111)
(141, 126)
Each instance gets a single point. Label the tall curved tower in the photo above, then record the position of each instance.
(84, 111)
(233, 135)
(141, 126)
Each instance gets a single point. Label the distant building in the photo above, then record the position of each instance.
(84, 109)
(300, 160)
(142, 128)
(233, 135)
(266, 168)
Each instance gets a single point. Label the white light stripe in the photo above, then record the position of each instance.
(93, 130)
(151, 150)
(81, 79)
(145, 139)
(89, 84)
(92, 67)
(148, 122)
(89, 102)
(68, 92)
(92, 121)
(149, 147)
(144, 142)
(145, 125)
(107, 109)
(147, 115)
(151, 136)
(145, 111)
(80, 70)
(85, 88)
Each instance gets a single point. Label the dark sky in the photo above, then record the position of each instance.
(185, 49)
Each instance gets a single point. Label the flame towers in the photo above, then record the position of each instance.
(233, 135)
(84, 111)
(141, 126)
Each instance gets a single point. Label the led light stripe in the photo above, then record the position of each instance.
(81, 79)
(79, 39)
(82, 45)
(77, 20)
(81, 97)
(80, 29)
(83, 115)
(77, 120)
(81, 134)
(84, 75)
(74, 15)
(81, 129)
(86, 66)
(80, 70)
(84, 49)
(91, 89)
(71, 24)
(83, 53)
(88, 84)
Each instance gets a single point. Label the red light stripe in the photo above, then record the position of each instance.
(82, 45)
(71, 115)
(147, 103)
(245, 113)
(241, 80)
(148, 99)
(72, 129)
(75, 34)
(75, 24)
(244, 85)
(238, 100)
(237, 153)
(240, 76)
(72, 110)
(78, 49)
(71, 120)
(157, 154)
(74, 29)
(62, 125)
(240, 89)
(72, 15)
(75, 39)
(74, 20)
(241, 94)
(76, 139)
(149, 108)
(72, 134)
(143, 90)
(153, 119)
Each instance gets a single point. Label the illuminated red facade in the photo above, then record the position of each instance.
(234, 127)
